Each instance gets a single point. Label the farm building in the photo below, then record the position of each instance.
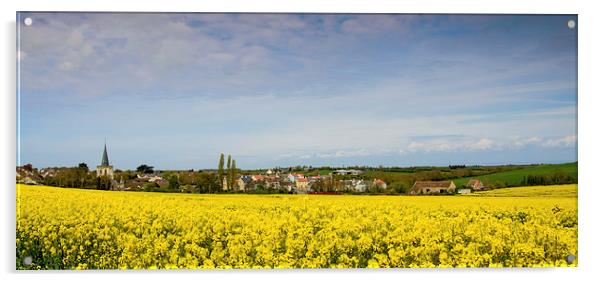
(432, 187)
(347, 172)
(475, 184)
(464, 191)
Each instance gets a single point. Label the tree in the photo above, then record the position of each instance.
(145, 169)
(174, 182)
(83, 166)
(81, 173)
(319, 186)
(220, 166)
(150, 186)
(208, 182)
(233, 174)
(28, 167)
(398, 187)
(103, 183)
(228, 173)
(187, 178)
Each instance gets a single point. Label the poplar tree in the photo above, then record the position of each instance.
(228, 172)
(220, 168)
(233, 174)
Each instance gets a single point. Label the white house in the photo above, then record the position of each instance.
(464, 191)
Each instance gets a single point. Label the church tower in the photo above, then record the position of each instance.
(104, 169)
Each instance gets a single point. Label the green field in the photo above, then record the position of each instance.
(514, 177)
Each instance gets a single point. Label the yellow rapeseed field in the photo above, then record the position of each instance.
(60, 228)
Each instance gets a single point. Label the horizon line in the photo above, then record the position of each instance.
(334, 167)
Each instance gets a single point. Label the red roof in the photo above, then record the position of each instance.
(475, 183)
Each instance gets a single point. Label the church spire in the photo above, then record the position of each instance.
(104, 169)
(105, 156)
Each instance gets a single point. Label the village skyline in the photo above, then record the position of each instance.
(227, 177)
(175, 90)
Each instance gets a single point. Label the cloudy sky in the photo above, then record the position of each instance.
(175, 90)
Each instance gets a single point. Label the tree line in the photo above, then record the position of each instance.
(556, 178)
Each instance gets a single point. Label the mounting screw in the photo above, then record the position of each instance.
(27, 260)
(571, 24)
(570, 259)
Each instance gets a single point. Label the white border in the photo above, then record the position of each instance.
(589, 24)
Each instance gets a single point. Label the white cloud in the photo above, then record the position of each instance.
(451, 144)
(466, 144)
(545, 142)
(482, 144)
(570, 140)
(519, 142)
(181, 51)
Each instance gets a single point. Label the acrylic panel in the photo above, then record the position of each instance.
(261, 140)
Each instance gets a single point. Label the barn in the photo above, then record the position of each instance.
(432, 187)
(475, 184)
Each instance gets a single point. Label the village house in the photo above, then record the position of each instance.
(379, 183)
(48, 172)
(241, 184)
(315, 178)
(135, 184)
(292, 177)
(287, 185)
(302, 184)
(154, 178)
(146, 176)
(360, 185)
(272, 182)
(243, 181)
(432, 187)
(257, 177)
(26, 180)
(475, 184)
(27, 175)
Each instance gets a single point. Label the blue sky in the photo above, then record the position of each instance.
(175, 90)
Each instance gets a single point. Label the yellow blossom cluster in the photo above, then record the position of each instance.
(59, 228)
